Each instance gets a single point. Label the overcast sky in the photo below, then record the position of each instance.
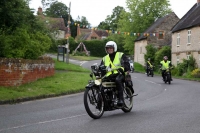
(97, 10)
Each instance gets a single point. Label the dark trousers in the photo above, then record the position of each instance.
(119, 78)
(163, 74)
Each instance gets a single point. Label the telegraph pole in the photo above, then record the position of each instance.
(69, 33)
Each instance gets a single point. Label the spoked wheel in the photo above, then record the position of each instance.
(151, 73)
(165, 79)
(93, 103)
(128, 100)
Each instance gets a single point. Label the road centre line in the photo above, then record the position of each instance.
(82, 62)
(41, 122)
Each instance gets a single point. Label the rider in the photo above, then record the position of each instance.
(119, 62)
(148, 65)
(164, 64)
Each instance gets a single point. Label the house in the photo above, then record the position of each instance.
(91, 34)
(158, 34)
(57, 25)
(186, 36)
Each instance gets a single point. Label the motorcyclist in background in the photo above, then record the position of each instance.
(119, 61)
(164, 65)
(148, 65)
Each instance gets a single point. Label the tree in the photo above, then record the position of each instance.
(60, 10)
(84, 22)
(164, 51)
(111, 21)
(141, 14)
(21, 34)
(151, 50)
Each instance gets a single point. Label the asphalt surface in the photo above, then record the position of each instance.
(158, 108)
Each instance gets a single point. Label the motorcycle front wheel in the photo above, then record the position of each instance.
(128, 100)
(151, 73)
(93, 103)
(169, 79)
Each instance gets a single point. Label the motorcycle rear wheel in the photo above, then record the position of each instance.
(128, 100)
(94, 104)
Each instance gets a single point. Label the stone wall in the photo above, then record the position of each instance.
(15, 72)
(181, 51)
(165, 27)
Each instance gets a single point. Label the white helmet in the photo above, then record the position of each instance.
(111, 44)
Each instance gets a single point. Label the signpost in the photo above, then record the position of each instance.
(68, 30)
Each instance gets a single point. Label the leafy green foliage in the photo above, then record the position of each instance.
(164, 51)
(151, 50)
(185, 67)
(111, 21)
(196, 73)
(141, 14)
(21, 34)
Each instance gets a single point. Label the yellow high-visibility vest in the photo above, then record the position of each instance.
(149, 63)
(115, 64)
(165, 65)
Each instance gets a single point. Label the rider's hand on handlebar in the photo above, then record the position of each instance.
(120, 70)
(109, 69)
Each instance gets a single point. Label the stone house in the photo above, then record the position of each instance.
(55, 24)
(90, 34)
(158, 34)
(186, 36)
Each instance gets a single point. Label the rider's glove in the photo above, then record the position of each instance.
(120, 70)
(109, 69)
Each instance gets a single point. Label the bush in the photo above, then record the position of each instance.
(196, 73)
(185, 67)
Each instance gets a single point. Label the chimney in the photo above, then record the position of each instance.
(78, 30)
(39, 11)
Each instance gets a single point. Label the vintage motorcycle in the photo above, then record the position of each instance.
(150, 71)
(167, 76)
(101, 93)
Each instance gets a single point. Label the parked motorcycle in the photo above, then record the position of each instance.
(167, 76)
(101, 94)
(150, 71)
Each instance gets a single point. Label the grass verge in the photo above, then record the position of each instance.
(68, 79)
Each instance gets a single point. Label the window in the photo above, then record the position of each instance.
(189, 37)
(178, 40)
(188, 56)
(177, 59)
(199, 58)
(93, 38)
(160, 35)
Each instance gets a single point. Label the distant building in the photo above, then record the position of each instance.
(55, 24)
(161, 29)
(186, 36)
(90, 34)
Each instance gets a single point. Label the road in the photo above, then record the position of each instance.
(158, 108)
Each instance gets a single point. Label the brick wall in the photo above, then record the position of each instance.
(15, 72)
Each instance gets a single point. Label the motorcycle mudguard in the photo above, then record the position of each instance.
(132, 90)
(89, 85)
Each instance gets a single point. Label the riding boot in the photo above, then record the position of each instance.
(119, 86)
(120, 102)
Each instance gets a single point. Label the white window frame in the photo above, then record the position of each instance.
(178, 40)
(189, 37)
(188, 56)
(177, 59)
(199, 58)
